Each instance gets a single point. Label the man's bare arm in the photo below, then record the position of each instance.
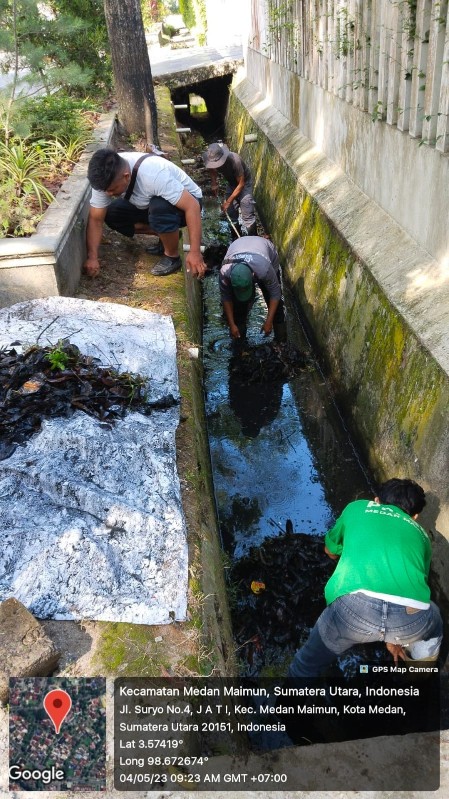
(214, 180)
(191, 208)
(267, 326)
(331, 554)
(94, 233)
(228, 308)
(234, 194)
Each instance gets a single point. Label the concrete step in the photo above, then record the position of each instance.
(182, 44)
(186, 37)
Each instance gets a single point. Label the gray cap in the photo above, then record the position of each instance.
(215, 156)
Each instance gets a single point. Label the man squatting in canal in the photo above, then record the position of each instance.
(252, 260)
(147, 194)
(379, 590)
(239, 194)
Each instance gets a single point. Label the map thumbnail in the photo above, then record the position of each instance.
(72, 759)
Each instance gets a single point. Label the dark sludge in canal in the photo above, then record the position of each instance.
(284, 467)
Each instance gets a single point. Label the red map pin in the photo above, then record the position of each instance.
(57, 705)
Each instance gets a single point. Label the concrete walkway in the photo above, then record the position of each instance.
(163, 60)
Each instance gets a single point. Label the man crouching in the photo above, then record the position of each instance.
(135, 193)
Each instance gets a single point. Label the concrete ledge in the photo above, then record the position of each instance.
(376, 300)
(187, 77)
(49, 262)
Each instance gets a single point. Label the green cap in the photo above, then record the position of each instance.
(242, 281)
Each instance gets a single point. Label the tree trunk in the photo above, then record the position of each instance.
(131, 66)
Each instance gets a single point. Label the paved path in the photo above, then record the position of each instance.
(165, 61)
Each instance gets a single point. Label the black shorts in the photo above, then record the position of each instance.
(161, 216)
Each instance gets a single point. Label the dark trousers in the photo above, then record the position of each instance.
(242, 309)
(122, 216)
(161, 216)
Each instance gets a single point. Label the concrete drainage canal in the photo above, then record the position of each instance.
(284, 467)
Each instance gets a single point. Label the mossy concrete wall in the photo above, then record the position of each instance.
(371, 296)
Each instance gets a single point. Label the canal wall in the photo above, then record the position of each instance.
(374, 298)
(368, 83)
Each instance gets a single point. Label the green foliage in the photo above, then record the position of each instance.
(25, 163)
(43, 43)
(18, 217)
(169, 7)
(62, 153)
(186, 9)
(56, 116)
(195, 17)
(152, 11)
(281, 23)
(378, 111)
(62, 44)
(89, 48)
(168, 30)
(201, 13)
(57, 357)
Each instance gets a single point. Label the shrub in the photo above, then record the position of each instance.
(26, 163)
(63, 153)
(18, 215)
(55, 116)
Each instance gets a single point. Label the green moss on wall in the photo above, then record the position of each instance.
(395, 392)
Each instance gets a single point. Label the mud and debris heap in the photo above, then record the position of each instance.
(46, 382)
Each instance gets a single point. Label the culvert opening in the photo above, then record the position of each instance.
(284, 467)
(206, 106)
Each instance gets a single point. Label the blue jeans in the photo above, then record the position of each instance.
(361, 619)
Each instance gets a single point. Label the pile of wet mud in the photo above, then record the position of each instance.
(46, 382)
(277, 595)
(266, 363)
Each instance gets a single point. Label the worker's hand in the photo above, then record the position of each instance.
(225, 205)
(195, 264)
(234, 331)
(91, 267)
(397, 651)
(266, 328)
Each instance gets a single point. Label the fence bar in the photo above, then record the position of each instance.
(373, 85)
(365, 40)
(394, 65)
(434, 66)
(408, 23)
(442, 143)
(419, 68)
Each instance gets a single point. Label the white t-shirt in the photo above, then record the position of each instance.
(156, 177)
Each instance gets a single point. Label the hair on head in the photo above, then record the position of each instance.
(104, 167)
(405, 494)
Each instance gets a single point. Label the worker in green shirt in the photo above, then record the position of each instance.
(379, 589)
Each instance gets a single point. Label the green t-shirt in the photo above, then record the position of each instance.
(382, 549)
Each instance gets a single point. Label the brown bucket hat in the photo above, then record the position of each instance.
(215, 156)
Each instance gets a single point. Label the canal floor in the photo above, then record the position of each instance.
(284, 467)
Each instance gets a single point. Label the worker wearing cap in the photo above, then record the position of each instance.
(252, 261)
(239, 194)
